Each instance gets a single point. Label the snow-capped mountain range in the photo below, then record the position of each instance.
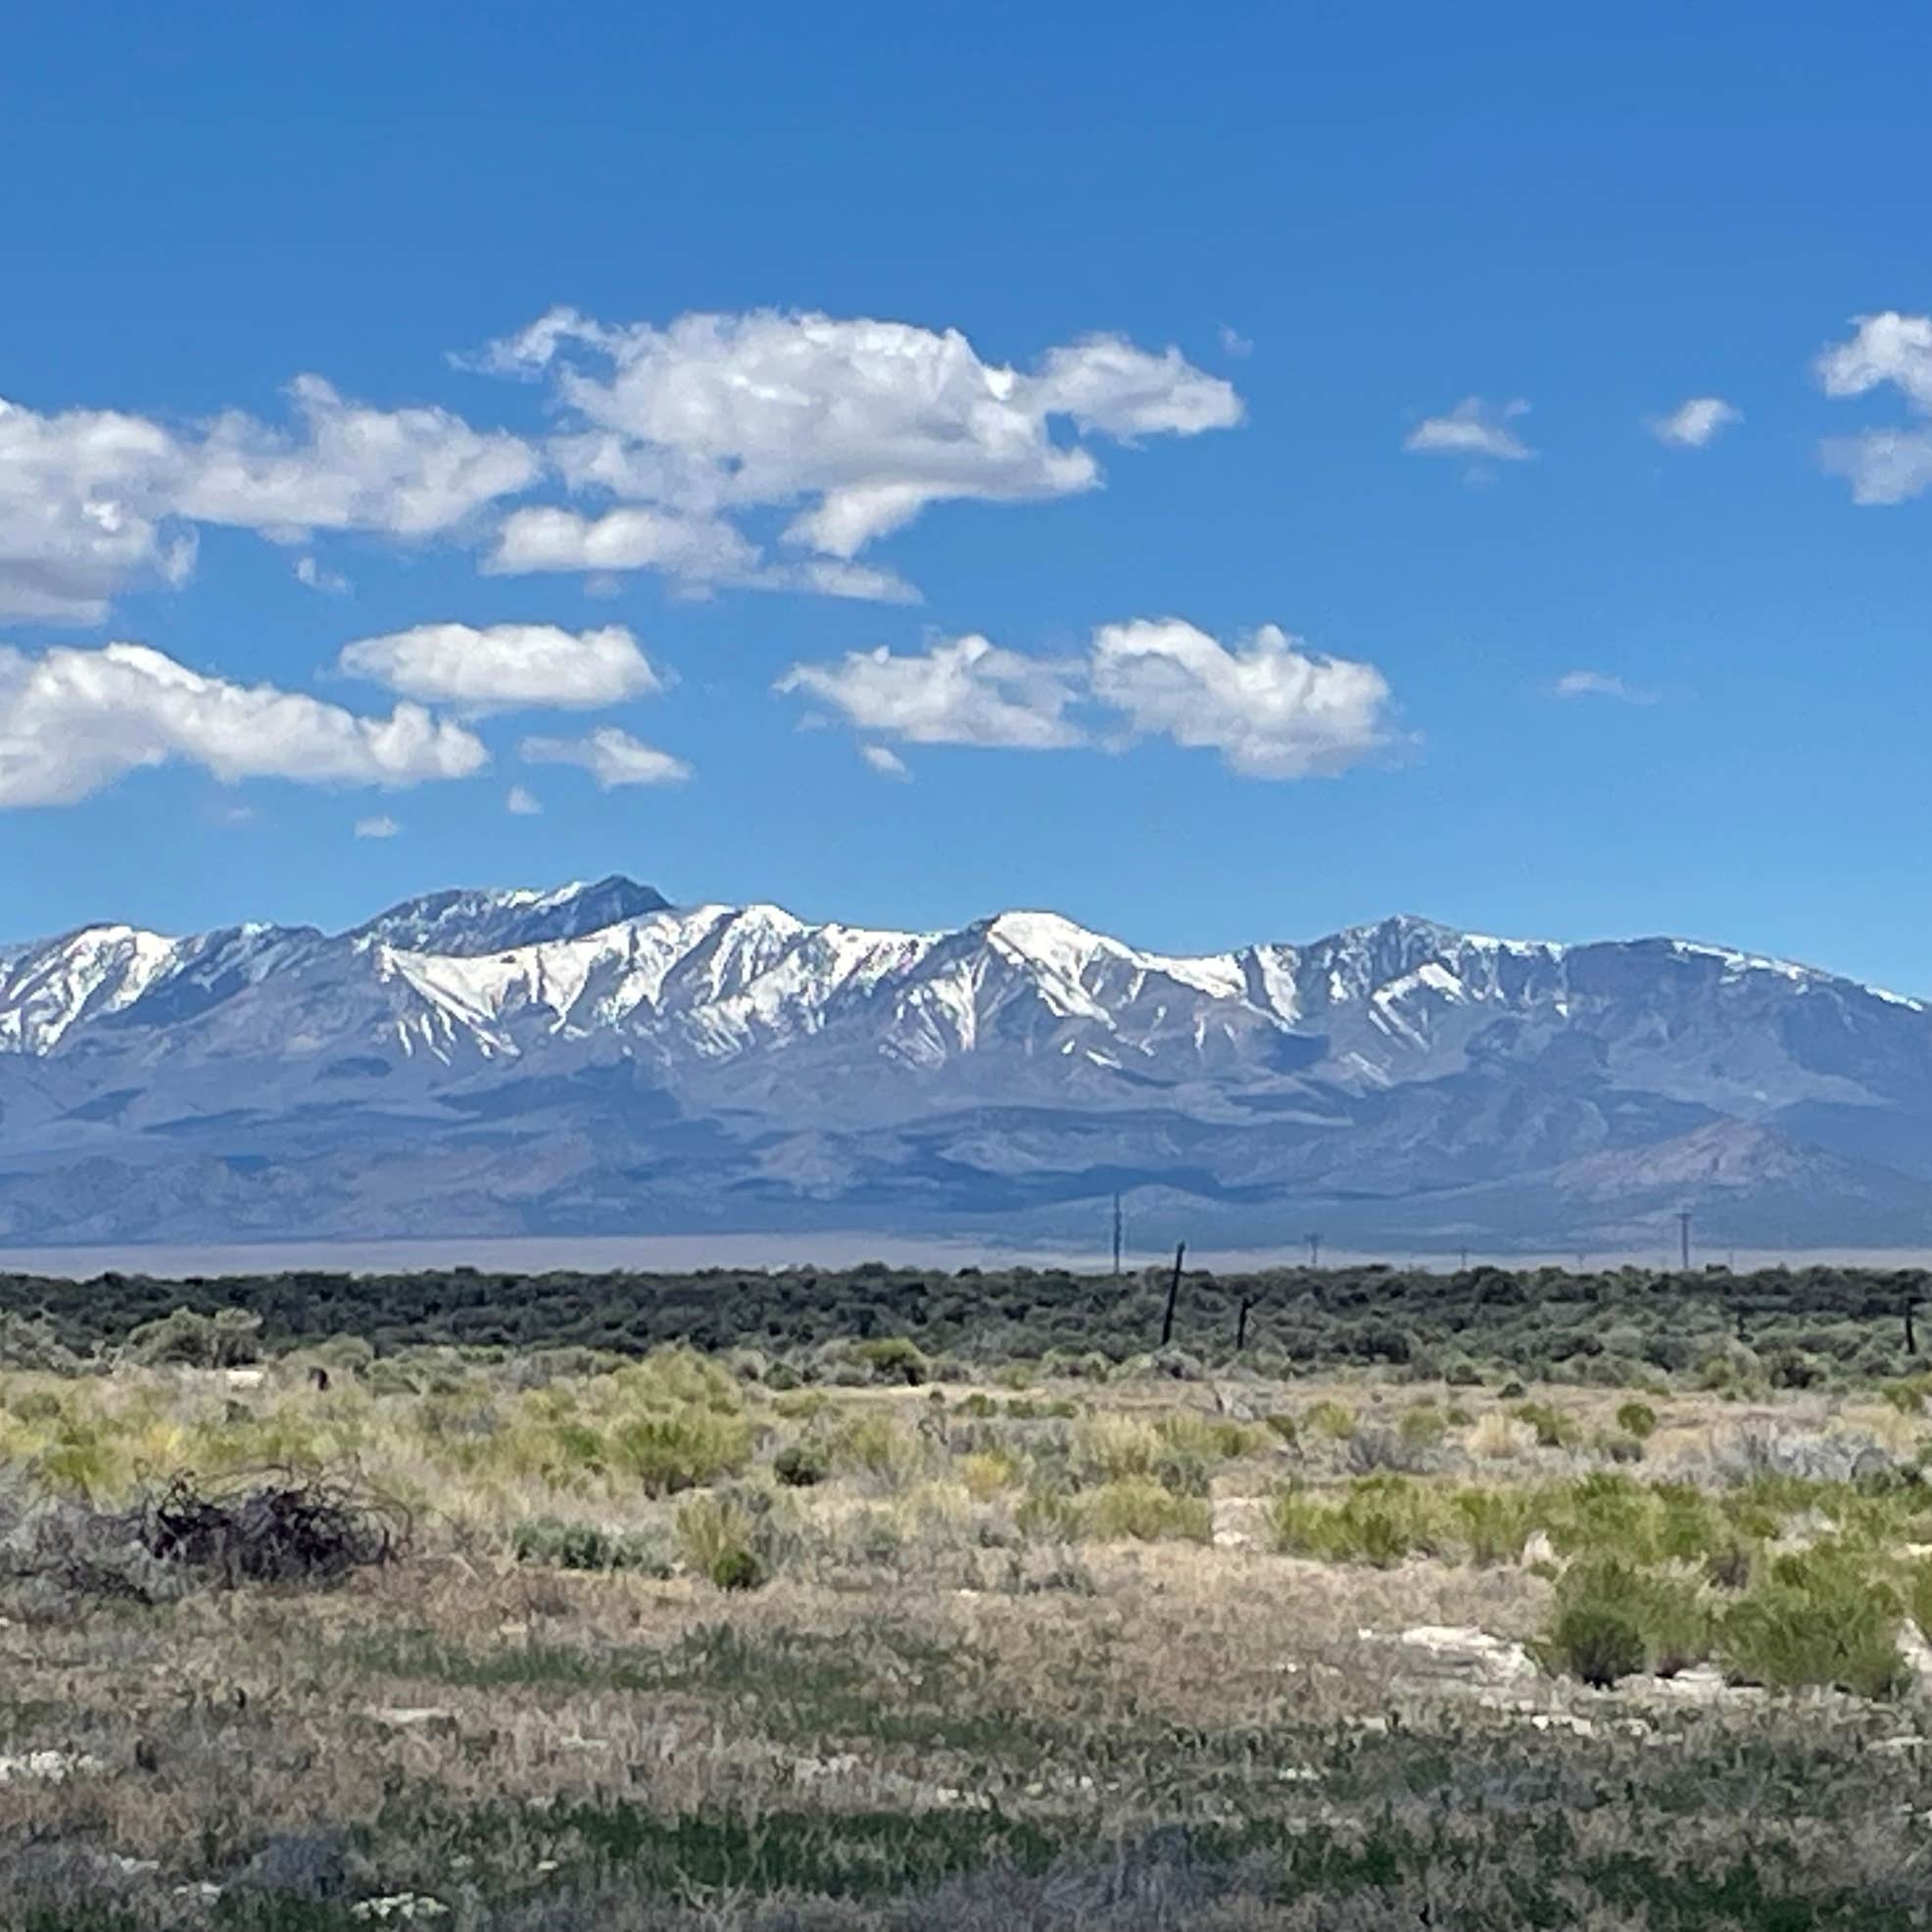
(597, 1060)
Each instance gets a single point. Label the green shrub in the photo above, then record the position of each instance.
(1494, 1524)
(738, 1570)
(680, 1450)
(1553, 1429)
(1423, 1427)
(1145, 1511)
(1638, 1419)
(1794, 1367)
(228, 1339)
(1598, 1642)
(1905, 1393)
(34, 1404)
(802, 1465)
(560, 1545)
(894, 1359)
(27, 1342)
(880, 1446)
(1613, 1619)
(1379, 1520)
(1047, 1515)
(1818, 1617)
(720, 1537)
(1334, 1420)
(1207, 1438)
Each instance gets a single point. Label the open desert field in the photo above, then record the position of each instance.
(296, 1634)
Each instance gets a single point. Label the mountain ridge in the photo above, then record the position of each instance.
(593, 1057)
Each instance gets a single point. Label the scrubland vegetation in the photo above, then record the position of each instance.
(905, 1627)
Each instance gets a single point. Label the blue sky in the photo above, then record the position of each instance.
(1345, 222)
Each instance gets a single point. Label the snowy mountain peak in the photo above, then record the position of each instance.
(48, 990)
(591, 1059)
(463, 924)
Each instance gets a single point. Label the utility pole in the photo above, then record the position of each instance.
(1464, 1264)
(1683, 1237)
(1117, 1234)
(1314, 1249)
(1911, 1338)
(1173, 1295)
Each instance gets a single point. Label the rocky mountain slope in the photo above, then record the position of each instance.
(597, 1060)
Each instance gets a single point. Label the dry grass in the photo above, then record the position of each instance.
(974, 1689)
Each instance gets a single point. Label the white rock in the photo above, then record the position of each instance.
(1917, 1654)
(1460, 1653)
(45, 1766)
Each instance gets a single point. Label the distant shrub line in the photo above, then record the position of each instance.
(1733, 1334)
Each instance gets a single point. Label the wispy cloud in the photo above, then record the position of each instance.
(1601, 684)
(521, 803)
(1473, 430)
(611, 757)
(1693, 423)
(317, 576)
(885, 761)
(383, 827)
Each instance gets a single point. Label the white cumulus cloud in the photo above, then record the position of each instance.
(1888, 464)
(1473, 429)
(1693, 423)
(82, 510)
(73, 721)
(93, 502)
(1271, 708)
(382, 827)
(853, 427)
(409, 472)
(611, 757)
(521, 803)
(507, 666)
(965, 691)
(547, 537)
(764, 450)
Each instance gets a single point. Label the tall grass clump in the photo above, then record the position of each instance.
(1378, 1519)
(878, 1446)
(720, 1538)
